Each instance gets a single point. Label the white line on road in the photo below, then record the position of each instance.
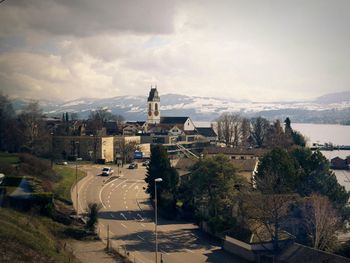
(189, 250)
(112, 215)
(123, 225)
(123, 216)
(131, 186)
(140, 237)
(100, 194)
(140, 217)
(126, 207)
(143, 225)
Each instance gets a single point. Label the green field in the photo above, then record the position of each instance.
(30, 238)
(63, 187)
(8, 158)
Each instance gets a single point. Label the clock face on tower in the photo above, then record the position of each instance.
(149, 113)
(156, 113)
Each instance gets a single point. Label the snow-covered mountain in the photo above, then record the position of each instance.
(209, 108)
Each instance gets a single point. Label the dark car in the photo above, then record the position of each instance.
(145, 163)
(132, 166)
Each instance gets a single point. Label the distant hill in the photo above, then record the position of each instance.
(209, 108)
(338, 97)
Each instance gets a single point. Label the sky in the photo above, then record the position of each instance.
(258, 50)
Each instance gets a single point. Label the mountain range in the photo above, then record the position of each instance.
(329, 108)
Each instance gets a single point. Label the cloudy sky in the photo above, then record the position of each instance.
(261, 50)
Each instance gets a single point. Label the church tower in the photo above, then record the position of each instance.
(153, 109)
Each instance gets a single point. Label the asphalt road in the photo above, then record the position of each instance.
(126, 209)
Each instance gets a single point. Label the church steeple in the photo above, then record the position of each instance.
(153, 102)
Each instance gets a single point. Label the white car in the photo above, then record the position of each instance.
(106, 171)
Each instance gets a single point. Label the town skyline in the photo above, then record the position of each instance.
(236, 49)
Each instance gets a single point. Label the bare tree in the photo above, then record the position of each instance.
(126, 149)
(7, 116)
(246, 130)
(276, 137)
(321, 222)
(229, 129)
(259, 131)
(32, 130)
(267, 211)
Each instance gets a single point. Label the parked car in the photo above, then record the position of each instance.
(106, 171)
(145, 163)
(132, 166)
(2, 176)
(61, 163)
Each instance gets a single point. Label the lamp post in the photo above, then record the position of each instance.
(76, 175)
(157, 180)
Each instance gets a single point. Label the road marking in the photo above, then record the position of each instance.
(131, 186)
(140, 217)
(100, 194)
(140, 237)
(112, 215)
(124, 202)
(136, 187)
(189, 250)
(124, 186)
(123, 225)
(123, 216)
(124, 198)
(143, 225)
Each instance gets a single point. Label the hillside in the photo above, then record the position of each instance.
(338, 97)
(331, 108)
(29, 238)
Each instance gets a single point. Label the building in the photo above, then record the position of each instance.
(339, 163)
(85, 147)
(153, 103)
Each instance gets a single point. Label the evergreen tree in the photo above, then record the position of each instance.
(213, 181)
(159, 167)
(278, 172)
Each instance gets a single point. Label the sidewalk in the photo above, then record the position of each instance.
(92, 252)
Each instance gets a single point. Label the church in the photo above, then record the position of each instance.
(170, 130)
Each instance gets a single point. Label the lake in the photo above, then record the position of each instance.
(324, 133)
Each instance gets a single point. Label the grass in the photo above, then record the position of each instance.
(8, 158)
(62, 188)
(28, 238)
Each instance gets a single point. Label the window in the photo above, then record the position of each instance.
(156, 106)
(149, 107)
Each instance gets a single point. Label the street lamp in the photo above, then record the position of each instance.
(76, 174)
(157, 180)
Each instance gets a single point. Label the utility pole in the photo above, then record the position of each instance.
(157, 180)
(76, 186)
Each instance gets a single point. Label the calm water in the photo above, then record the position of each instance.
(336, 134)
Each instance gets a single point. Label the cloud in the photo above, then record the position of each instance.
(86, 18)
(263, 51)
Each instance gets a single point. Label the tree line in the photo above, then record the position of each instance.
(27, 131)
(237, 131)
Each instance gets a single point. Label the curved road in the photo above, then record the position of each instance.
(130, 217)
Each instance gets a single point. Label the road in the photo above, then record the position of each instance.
(127, 211)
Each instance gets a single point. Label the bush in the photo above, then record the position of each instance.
(93, 216)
